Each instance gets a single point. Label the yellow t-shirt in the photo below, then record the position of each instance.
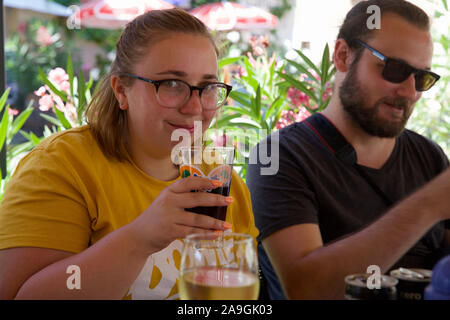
(66, 195)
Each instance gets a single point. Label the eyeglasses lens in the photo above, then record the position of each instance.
(173, 94)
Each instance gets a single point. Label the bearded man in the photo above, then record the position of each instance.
(354, 187)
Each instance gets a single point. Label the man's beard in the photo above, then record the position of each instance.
(353, 100)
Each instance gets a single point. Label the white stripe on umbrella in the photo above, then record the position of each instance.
(234, 16)
(114, 14)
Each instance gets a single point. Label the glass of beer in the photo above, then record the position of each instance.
(213, 162)
(219, 267)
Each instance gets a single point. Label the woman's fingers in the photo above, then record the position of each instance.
(194, 183)
(200, 221)
(202, 199)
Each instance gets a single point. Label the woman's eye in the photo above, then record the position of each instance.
(170, 84)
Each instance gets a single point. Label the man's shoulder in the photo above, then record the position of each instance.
(415, 138)
(421, 148)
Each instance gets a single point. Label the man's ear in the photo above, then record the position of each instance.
(342, 55)
(119, 92)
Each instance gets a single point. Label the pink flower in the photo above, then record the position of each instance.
(46, 102)
(13, 112)
(221, 141)
(297, 97)
(289, 116)
(41, 91)
(22, 27)
(58, 75)
(43, 37)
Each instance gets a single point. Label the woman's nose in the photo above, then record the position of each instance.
(193, 105)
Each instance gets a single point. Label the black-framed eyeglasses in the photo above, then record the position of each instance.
(173, 93)
(397, 71)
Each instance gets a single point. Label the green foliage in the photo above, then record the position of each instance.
(36, 43)
(261, 100)
(431, 116)
(8, 129)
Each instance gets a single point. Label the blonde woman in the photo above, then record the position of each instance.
(104, 201)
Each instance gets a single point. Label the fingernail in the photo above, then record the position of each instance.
(227, 225)
(218, 233)
(216, 183)
(229, 200)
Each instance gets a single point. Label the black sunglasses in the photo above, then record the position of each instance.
(397, 71)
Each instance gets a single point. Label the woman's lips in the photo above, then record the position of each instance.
(189, 128)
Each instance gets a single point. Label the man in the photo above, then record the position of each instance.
(353, 187)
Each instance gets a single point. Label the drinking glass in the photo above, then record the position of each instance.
(213, 162)
(219, 267)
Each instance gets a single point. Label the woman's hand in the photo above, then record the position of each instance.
(166, 220)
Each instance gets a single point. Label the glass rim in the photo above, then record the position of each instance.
(211, 236)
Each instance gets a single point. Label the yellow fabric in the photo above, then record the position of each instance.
(67, 195)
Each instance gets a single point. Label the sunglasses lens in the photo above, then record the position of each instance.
(396, 71)
(424, 80)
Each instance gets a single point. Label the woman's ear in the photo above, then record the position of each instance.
(119, 92)
(342, 55)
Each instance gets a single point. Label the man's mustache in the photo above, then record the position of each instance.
(400, 103)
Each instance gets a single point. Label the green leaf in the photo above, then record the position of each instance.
(302, 69)
(31, 137)
(65, 123)
(59, 93)
(444, 2)
(240, 97)
(224, 121)
(243, 111)
(51, 119)
(249, 123)
(4, 126)
(81, 96)
(275, 106)
(69, 69)
(308, 62)
(20, 120)
(298, 85)
(325, 65)
(257, 102)
(226, 61)
(4, 98)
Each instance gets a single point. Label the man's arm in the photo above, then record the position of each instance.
(308, 270)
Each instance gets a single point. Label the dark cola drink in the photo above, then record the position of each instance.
(218, 212)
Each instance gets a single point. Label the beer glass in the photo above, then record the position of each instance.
(219, 267)
(213, 162)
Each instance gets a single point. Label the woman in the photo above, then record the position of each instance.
(97, 212)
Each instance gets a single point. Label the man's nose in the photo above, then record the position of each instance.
(407, 88)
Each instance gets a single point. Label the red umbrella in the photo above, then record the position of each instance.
(234, 16)
(114, 14)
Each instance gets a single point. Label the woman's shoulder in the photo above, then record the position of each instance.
(75, 137)
(66, 148)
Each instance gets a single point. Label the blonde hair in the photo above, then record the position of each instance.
(107, 121)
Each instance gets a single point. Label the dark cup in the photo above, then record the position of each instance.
(215, 163)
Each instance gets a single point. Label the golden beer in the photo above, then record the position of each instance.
(212, 283)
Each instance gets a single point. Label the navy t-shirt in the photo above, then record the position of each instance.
(313, 186)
